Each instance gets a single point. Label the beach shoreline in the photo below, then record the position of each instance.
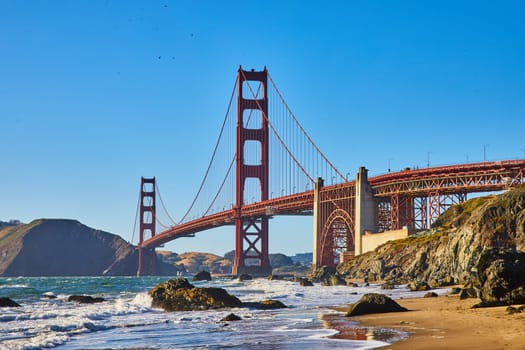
(444, 322)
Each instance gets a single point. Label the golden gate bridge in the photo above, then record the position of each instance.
(265, 164)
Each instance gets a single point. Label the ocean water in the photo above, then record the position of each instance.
(127, 320)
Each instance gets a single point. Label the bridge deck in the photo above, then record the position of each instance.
(465, 178)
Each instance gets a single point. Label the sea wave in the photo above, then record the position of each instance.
(126, 318)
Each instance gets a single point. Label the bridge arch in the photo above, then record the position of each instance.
(337, 236)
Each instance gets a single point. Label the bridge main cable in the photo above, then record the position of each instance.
(304, 131)
(212, 157)
(290, 154)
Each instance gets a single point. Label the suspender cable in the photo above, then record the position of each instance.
(136, 219)
(303, 131)
(276, 134)
(213, 155)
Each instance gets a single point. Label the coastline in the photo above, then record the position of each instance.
(444, 322)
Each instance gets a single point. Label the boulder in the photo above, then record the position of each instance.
(231, 317)
(328, 276)
(245, 277)
(334, 280)
(455, 290)
(430, 295)
(201, 276)
(446, 281)
(388, 285)
(352, 284)
(500, 272)
(466, 293)
(49, 295)
(305, 282)
(418, 286)
(6, 302)
(85, 299)
(515, 310)
(372, 303)
(180, 295)
(265, 305)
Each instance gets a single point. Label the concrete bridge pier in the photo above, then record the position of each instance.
(365, 209)
(317, 225)
(353, 212)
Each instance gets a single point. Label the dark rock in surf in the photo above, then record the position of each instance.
(6, 302)
(231, 317)
(304, 282)
(85, 299)
(245, 277)
(49, 295)
(180, 295)
(202, 276)
(265, 305)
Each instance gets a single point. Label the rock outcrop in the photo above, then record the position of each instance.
(328, 276)
(60, 247)
(451, 250)
(373, 303)
(501, 276)
(180, 295)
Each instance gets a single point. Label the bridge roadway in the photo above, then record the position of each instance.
(465, 178)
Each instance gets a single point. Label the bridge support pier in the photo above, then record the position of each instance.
(251, 233)
(253, 259)
(147, 258)
(317, 226)
(365, 209)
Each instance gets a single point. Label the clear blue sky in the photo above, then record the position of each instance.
(95, 94)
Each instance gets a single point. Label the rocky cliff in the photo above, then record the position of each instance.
(452, 248)
(59, 247)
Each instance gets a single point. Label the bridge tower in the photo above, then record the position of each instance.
(147, 256)
(251, 233)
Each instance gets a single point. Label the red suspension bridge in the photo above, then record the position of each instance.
(265, 164)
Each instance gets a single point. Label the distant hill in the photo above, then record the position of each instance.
(60, 247)
(194, 262)
(303, 259)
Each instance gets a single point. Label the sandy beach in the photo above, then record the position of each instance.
(446, 322)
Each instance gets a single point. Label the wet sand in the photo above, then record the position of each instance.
(446, 322)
